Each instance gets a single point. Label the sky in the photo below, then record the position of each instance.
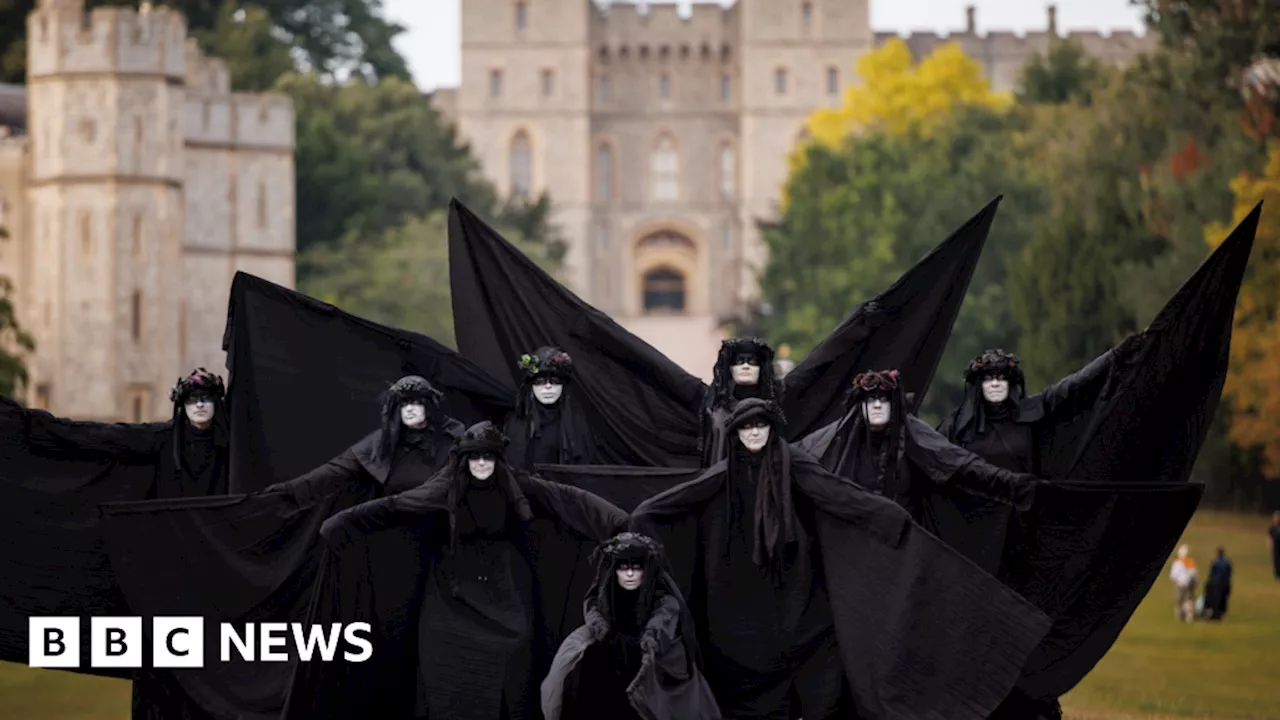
(432, 43)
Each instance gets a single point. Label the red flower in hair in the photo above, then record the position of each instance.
(884, 380)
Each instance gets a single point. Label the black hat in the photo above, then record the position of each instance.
(994, 362)
(483, 437)
(750, 409)
(546, 361)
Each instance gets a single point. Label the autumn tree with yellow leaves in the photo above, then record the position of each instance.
(1253, 381)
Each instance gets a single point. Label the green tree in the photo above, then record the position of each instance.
(1065, 72)
(399, 277)
(14, 342)
(862, 213)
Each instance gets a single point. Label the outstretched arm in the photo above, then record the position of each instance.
(330, 477)
(947, 464)
(127, 442)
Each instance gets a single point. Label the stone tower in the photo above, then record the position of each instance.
(105, 197)
(796, 57)
(524, 104)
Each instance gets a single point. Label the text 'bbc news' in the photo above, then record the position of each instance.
(178, 642)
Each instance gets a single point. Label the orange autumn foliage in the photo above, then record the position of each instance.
(1253, 381)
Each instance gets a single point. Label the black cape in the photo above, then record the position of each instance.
(669, 685)
(241, 559)
(381, 558)
(952, 492)
(306, 379)
(921, 631)
(622, 485)
(637, 406)
(905, 327)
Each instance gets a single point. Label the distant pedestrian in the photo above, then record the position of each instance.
(1218, 588)
(1273, 541)
(1185, 577)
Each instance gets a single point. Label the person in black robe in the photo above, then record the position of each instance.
(999, 422)
(546, 427)
(467, 581)
(189, 452)
(413, 442)
(1218, 589)
(744, 369)
(814, 598)
(1273, 542)
(953, 492)
(635, 657)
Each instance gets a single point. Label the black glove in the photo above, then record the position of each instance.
(649, 643)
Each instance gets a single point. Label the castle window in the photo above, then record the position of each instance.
(137, 236)
(86, 236)
(726, 88)
(495, 83)
(602, 234)
(604, 173)
(521, 162)
(663, 291)
(806, 15)
(780, 81)
(602, 90)
(833, 81)
(139, 401)
(728, 172)
(522, 15)
(665, 169)
(135, 315)
(664, 87)
(262, 205)
(87, 130)
(42, 396)
(548, 83)
(137, 408)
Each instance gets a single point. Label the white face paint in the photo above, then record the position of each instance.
(548, 392)
(630, 575)
(481, 466)
(413, 414)
(995, 390)
(877, 411)
(754, 438)
(199, 409)
(745, 374)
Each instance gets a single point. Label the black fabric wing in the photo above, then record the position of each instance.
(52, 557)
(642, 408)
(622, 485)
(1154, 416)
(905, 327)
(306, 380)
(235, 559)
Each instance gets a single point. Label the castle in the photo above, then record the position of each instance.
(133, 185)
(662, 135)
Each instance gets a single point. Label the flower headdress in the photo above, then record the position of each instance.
(200, 380)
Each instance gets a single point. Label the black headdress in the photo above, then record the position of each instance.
(721, 392)
(991, 362)
(774, 525)
(545, 362)
(409, 388)
(997, 362)
(886, 384)
(199, 382)
(483, 437)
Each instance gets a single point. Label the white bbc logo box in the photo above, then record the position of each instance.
(115, 642)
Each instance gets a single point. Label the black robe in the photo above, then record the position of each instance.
(917, 629)
(246, 559)
(1015, 434)
(558, 434)
(610, 676)
(716, 437)
(957, 495)
(306, 379)
(389, 560)
(1218, 589)
(643, 409)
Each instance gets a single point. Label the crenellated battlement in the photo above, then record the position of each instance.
(205, 75)
(659, 32)
(63, 38)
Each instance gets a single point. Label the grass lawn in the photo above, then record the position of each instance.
(1159, 669)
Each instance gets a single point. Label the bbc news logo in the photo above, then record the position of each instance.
(178, 642)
